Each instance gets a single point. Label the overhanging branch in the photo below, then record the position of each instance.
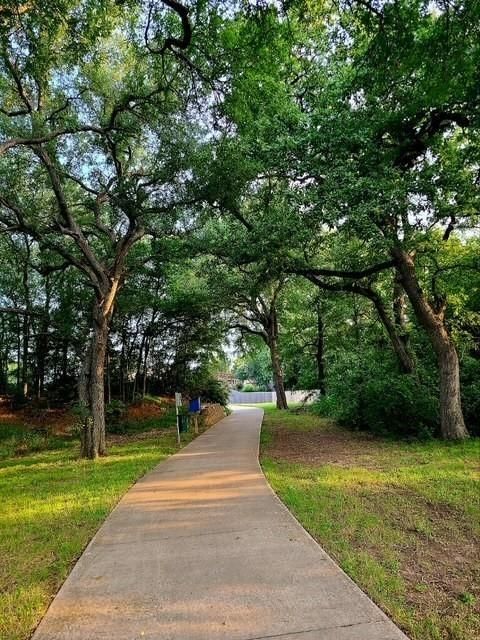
(340, 273)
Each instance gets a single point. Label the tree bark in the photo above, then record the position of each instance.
(43, 343)
(404, 358)
(145, 363)
(65, 346)
(277, 369)
(92, 379)
(92, 390)
(122, 365)
(278, 380)
(18, 355)
(25, 343)
(261, 320)
(431, 317)
(400, 309)
(138, 371)
(320, 349)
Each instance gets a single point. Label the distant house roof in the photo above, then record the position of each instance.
(228, 378)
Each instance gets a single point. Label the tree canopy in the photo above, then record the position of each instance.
(299, 178)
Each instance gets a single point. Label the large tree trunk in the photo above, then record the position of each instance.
(452, 424)
(92, 383)
(320, 348)
(25, 343)
(278, 376)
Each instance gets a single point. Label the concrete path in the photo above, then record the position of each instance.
(201, 549)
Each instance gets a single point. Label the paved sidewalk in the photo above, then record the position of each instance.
(201, 549)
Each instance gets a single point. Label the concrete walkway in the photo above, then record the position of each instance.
(201, 549)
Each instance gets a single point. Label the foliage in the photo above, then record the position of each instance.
(115, 412)
(254, 365)
(18, 441)
(204, 385)
(240, 191)
(369, 393)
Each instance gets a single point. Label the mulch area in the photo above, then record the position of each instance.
(330, 446)
(147, 409)
(60, 421)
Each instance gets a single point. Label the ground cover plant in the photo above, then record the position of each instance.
(401, 518)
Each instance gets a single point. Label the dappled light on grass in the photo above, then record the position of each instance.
(52, 504)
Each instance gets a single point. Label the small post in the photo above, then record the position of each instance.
(178, 404)
(194, 409)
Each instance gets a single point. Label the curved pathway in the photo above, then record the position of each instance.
(201, 549)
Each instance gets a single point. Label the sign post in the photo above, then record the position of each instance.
(178, 404)
(194, 408)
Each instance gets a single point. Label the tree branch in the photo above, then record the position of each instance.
(171, 42)
(339, 273)
(48, 137)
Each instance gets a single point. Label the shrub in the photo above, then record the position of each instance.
(16, 440)
(18, 401)
(209, 389)
(470, 371)
(115, 413)
(370, 394)
(399, 404)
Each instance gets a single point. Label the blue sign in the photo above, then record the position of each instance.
(194, 405)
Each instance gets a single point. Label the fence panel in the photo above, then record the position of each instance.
(251, 397)
(255, 397)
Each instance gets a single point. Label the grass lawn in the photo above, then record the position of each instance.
(402, 519)
(51, 505)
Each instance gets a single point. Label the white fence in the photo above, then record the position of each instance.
(255, 397)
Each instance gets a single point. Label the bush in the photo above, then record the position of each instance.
(18, 401)
(19, 441)
(115, 413)
(248, 388)
(470, 373)
(401, 405)
(209, 389)
(372, 395)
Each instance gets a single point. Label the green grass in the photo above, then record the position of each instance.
(52, 503)
(402, 519)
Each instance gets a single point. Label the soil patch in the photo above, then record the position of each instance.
(332, 446)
